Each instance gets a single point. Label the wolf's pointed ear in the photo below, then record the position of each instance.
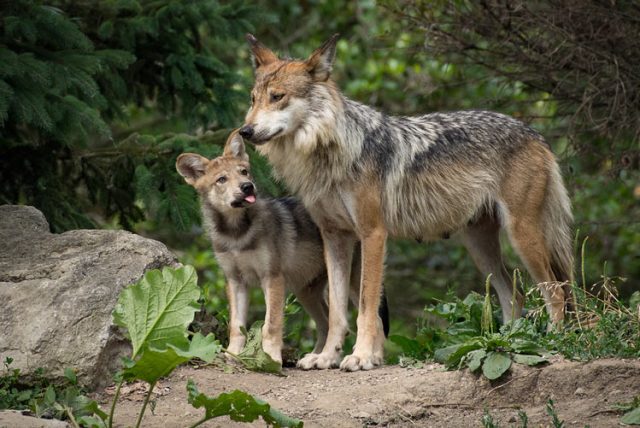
(191, 166)
(262, 55)
(320, 62)
(234, 147)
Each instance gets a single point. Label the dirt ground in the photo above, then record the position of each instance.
(584, 394)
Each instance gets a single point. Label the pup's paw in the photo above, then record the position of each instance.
(355, 362)
(274, 351)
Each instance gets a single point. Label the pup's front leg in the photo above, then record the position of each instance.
(238, 308)
(338, 252)
(368, 350)
(274, 290)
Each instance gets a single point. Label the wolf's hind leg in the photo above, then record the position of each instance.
(524, 193)
(528, 240)
(482, 240)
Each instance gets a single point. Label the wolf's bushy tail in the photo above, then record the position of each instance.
(557, 224)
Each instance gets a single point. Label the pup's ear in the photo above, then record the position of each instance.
(234, 147)
(191, 166)
(262, 55)
(320, 62)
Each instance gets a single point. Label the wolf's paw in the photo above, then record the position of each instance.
(307, 362)
(324, 360)
(354, 362)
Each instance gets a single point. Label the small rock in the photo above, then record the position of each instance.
(12, 418)
(580, 391)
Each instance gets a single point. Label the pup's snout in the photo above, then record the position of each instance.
(247, 131)
(247, 188)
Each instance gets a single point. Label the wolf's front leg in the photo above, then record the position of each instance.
(338, 252)
(274, 290)
(368, 350)
(238, 308)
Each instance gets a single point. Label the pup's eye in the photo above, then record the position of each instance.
(276, 97)
(244, 172)
(221, 180)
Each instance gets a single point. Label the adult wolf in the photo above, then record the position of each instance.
(272, 242)
(364, 175)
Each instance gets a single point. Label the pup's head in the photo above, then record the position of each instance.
(225, 182)
(284, 91)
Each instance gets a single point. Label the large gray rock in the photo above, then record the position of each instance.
(57, 292)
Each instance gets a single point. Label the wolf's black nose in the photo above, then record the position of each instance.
(247, 188)
(246, 131)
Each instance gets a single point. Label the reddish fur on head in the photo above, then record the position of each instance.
(220, 180)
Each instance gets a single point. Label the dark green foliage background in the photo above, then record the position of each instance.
(98, 98)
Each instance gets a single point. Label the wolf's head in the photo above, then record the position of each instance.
(289, 96)
(225, 182)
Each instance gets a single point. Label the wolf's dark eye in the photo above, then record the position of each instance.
(253, 99)
(221, 180)
(276, 97)
(244, 172)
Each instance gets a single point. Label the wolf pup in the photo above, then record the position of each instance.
(272, 242)
(365, 176)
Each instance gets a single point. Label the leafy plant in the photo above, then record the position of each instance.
(494, 352)
(605, 326)
(487, 420)
(468, 339)
(62, 400)
(240, 407)
(12, 396)
(632, 411)
(70, 403)
(253, 356)
(462, 319)
(551, 411)
(156, 312)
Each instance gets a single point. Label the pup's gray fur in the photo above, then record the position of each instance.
(271, 242)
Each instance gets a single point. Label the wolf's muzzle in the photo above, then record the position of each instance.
(247, 132)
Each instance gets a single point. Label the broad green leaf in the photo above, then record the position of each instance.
(91, 422)
(632, 418)
(50, 395)
(442, 355)
(452, 355)
(253, 356)
(410, 347)
(474, 359)
(495, 365)
(158, 309)
(156, 363)
(525, 346)
(239, 406)
(70, 374)
(204, 347)
(530, 360)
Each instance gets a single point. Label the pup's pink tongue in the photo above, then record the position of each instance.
(251, 199)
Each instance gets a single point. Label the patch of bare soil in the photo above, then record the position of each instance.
(401, 397)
